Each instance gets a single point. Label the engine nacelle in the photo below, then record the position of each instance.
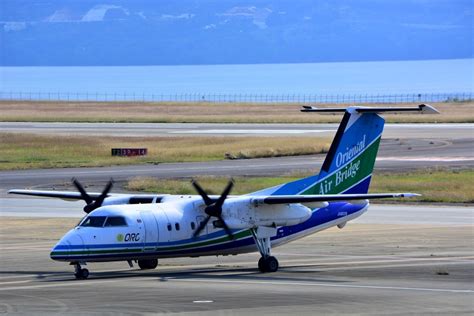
(239, 213)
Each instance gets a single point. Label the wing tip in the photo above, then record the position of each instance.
(409, 195)
(428, 109)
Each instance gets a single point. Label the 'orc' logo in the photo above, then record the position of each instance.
(128, 237)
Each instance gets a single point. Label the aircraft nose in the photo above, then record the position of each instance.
(69, 244)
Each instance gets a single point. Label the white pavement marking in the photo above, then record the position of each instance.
(16, 282)
(252, 131)
(375, 287)
(257, 282)
(444, 159)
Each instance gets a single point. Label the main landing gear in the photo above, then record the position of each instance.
(147, 264)
(267, 262)
(81, 273)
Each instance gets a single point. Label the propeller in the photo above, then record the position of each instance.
(92, 204)
(213, 207)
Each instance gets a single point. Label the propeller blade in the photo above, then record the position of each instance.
(104, 193)
(86, 197)
(224, 194)
(226, 228)
(90, 203)
(201, 192)
(213, 208)
(201, 226)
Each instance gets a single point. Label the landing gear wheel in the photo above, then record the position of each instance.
(271, 264)
(261, 264)
(82, 274)
(147, 264)
(268, 264)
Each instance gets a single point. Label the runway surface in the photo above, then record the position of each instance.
(445, 131)
(378, 213)
(395, 155)
(377, 268)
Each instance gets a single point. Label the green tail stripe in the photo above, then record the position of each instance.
(348, 175)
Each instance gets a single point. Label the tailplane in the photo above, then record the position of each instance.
(350, 161)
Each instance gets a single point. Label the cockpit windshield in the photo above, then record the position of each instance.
(103, 221)
(115, 221)
(94, 221)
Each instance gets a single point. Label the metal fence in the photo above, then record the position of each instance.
(238, 97)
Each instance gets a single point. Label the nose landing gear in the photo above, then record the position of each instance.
(81, 273)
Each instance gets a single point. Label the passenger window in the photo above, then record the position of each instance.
(176, 226)
(115, 221)
(169, 227)
(193, 226)
(94, 221)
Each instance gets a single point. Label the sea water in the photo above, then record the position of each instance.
(384, 77)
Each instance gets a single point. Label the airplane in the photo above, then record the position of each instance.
(143, 228)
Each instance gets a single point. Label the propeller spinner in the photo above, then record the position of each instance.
(92, 204)
(213, 207)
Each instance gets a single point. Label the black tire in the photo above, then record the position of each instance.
(147, 264)
(261, 265)
(82, 274)
(271, 264)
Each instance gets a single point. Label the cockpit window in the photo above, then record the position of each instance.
(115, 221)
(94, 221)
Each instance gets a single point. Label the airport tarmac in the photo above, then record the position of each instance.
(400, 130)
(377, 268)
(395, 259)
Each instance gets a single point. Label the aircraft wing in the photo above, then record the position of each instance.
(66, 195)
(287, 199)
(72, 195)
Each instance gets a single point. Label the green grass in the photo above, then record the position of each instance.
(28, 151)
(446, 186)
(436, 186)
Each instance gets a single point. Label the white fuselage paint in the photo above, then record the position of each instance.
(150, 226)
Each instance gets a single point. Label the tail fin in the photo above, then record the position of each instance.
(350, 161)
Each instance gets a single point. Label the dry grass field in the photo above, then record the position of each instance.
(27, 151)
(169, 112)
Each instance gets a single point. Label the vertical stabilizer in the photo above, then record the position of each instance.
(350, 161)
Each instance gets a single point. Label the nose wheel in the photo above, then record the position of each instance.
(81, 273)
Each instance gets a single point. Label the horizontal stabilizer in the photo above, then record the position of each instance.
(288, 199)
(421, 108)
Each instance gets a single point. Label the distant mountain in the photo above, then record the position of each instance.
(140, 32)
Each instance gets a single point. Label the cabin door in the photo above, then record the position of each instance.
(151, 231)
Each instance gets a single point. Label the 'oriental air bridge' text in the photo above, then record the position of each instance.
(350, 153)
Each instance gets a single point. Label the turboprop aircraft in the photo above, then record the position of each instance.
(143, 228)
